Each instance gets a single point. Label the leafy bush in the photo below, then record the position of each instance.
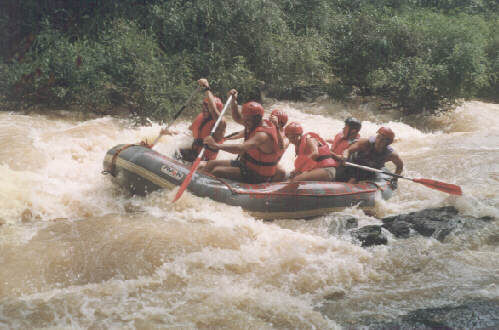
(448, 62)
(146, 55)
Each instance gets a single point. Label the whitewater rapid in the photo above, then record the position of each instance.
(77, 251)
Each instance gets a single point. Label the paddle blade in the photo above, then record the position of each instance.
(442, 186)
(187, 179)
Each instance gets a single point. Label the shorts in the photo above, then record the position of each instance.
(331, 172)
(247, 175)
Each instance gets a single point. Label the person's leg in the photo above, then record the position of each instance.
(340, 174)
(227, 172)
(280, 174)
(210, 165)
(188, 155)
(318, 174)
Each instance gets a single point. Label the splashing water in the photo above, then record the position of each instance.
(76, 251)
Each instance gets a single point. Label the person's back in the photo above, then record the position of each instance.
(314, 161)
(202, 125)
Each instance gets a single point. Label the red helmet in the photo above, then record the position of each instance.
(293, 128)
(218, 103)
(252, 109)
(282, 117)
(387, 132)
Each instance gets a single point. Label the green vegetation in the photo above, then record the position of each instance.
(145, 55)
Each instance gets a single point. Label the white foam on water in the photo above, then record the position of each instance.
(103, 258)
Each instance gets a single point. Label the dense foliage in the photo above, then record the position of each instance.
(145, 55)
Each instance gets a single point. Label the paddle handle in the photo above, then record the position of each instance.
(375, 170)
(195, 165)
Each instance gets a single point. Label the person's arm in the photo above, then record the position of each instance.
(280, 137)
(168, 131)
(236, 115)
(257, 140)
(333, 142)
(399, 164)
(212, 107)
(220, 131)
(362, 144)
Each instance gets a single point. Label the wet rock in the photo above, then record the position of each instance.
(475, 314)
(351, 223)
(2, 222)
(400, 229)
(436, 222)
(370, 235)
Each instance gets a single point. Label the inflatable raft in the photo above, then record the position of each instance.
(142, 170)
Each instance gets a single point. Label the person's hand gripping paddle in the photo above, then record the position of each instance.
(195, 165)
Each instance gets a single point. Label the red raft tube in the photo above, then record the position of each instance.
(141, 170)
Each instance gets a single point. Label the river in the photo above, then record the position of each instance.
(78, 252)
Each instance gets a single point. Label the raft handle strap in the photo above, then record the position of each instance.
(112, 168)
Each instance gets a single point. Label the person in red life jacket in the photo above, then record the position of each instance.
(279, 118)
(374, 152)
(347, 137)
(202, 125)
(314, 161)
(258, 155)
(342, 141)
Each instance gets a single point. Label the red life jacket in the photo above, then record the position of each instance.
(303, 163)
(201, 128)
(340, 143)
(258, 161)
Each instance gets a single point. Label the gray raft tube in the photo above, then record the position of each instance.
(141, 170)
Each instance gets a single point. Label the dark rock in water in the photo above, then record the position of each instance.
(351, 223)
(475, 314)
(400, 229)
(437, 222)
(370, 235)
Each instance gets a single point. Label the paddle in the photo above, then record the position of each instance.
(231, 135)
(177, 114)
(195, 165)
(433, 184)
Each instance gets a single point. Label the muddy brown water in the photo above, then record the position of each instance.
(78, 252)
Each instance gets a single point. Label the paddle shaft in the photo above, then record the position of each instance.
(375, 170)
(178, 113)
(433, 184)
(195, 165)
